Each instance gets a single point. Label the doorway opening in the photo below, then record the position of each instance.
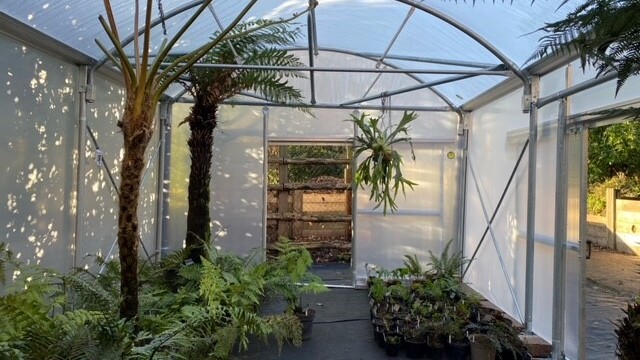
(310, 197)
(612, 266)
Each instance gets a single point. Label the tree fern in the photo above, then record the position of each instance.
(605, 34)
(252, 43)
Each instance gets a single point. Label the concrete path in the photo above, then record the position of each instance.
(612, 280)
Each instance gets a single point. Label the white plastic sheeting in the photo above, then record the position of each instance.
(40, 154)
(41, 158)
(500, 129)
(360, 25)
(424, 220)
(39, 101)
(237, 182)
(494, 130)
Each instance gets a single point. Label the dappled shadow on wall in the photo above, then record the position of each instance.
(37, 150)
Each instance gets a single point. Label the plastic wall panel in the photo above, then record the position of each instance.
(545, 229)
(424, 219)
(605, 96)
(100, 219)
(489, 125)
(37, 145)
(550, 84)
(330, 124)
(236, 185)
(333, 124)
(384, 241)
(497, 135)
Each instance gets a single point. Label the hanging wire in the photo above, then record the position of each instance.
(385, 103)
(161, 11)
(238, 58)
(380, 61)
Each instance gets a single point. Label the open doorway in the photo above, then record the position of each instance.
(612, 268)
(309, 201)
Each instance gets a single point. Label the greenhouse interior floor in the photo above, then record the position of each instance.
(342, 329)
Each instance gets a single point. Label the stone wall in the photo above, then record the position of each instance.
(620, 229)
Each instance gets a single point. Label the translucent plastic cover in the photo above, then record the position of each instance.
(416, 31)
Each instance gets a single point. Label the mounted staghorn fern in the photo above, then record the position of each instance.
(382, 168)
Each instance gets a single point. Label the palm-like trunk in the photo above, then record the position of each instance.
(137, 130)
(202, 122)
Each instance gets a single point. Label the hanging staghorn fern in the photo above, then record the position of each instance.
(381, 170)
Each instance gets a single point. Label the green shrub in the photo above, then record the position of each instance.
(596, 199)
(201, 311)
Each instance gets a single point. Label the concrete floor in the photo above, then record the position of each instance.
(612, 280)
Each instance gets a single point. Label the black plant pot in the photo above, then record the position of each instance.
(458, 351)
(392, 344)
(415, 348)
(509, 355)
(378, 329)
(306, 318)
(434, 352)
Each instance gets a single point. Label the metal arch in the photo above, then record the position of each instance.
(472, 34)
(385, 62)
(429, 10)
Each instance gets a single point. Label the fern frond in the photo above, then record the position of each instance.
(604, 33)
(20, 312)
(90, 292)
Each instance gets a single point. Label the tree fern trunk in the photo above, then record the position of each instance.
(137, 130)
(202, 122)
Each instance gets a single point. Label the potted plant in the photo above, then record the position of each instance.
(510, 346)
(391, 343)
(435, 330)
(288, 274)
(482, 347)
(495, 337)
(415, 341)
(457, 321)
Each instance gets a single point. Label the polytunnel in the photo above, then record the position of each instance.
(500, 138)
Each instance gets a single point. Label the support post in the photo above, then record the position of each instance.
(611, 196)
(296, 226)
(560, 236)
(531, 206)
(162, 121)
(354, 204)
(284, 227)
(461, 149)
(166, 183)
(265, 178)
(584, 186)
(81, 166)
